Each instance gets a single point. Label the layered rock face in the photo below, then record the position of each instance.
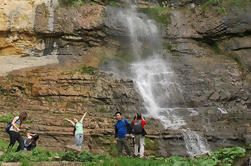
(48, 96)
(209, 53)
(17, 23)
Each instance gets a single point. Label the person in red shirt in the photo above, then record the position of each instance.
(139, 132)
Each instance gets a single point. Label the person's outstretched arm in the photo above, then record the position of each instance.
(83, 117)
(70, 121)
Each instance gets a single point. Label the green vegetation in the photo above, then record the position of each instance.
(218, 51)
(227, 155)
(67, 2)
(159, 14)
(222, 157)
(26, 163)
(65, 123)
(88, 70)
(3, 145)
(169, 47)
(28, 121)
(48, 99)
(113, 3)
(7, 118)
(79, 3)
(151, 144)
(70, 3)
(222, 6)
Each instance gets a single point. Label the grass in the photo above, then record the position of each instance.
(224, 157)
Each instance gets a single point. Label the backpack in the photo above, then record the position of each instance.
(128, 127)
(137, 127)
(8, 126)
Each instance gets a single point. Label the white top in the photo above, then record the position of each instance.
(17, 123)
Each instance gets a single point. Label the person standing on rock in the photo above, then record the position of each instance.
(121, 134)
(78, 130)
(139, 134)
(14, 131)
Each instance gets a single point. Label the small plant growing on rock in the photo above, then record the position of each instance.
(88, 70)
(159, 14)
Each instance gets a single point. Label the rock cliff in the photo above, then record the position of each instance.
(209, 52)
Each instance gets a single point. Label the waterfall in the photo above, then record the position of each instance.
(154, 78)
(222, 110)
(195, 144)
(50, 6)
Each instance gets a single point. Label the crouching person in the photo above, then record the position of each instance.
(121, 134)
(31, 141)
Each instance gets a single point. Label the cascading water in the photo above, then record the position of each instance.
(154, 77)
(154, 80)
(195, 144)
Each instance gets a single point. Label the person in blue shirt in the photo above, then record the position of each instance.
(121, 134)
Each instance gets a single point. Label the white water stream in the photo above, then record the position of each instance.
(155, 79)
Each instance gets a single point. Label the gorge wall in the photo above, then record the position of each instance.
(209, 52)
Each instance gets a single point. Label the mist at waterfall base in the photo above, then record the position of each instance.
(153, 76)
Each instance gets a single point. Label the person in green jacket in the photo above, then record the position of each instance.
(78, 130)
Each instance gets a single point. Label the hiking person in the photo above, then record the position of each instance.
(78, 130)
(14, 131)
(121, 134)
(31, 141)
(139, 134)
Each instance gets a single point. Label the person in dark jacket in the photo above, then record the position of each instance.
(121, 134)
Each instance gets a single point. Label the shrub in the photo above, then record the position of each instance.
(69, 156)
(227, 155)
(85, 157)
